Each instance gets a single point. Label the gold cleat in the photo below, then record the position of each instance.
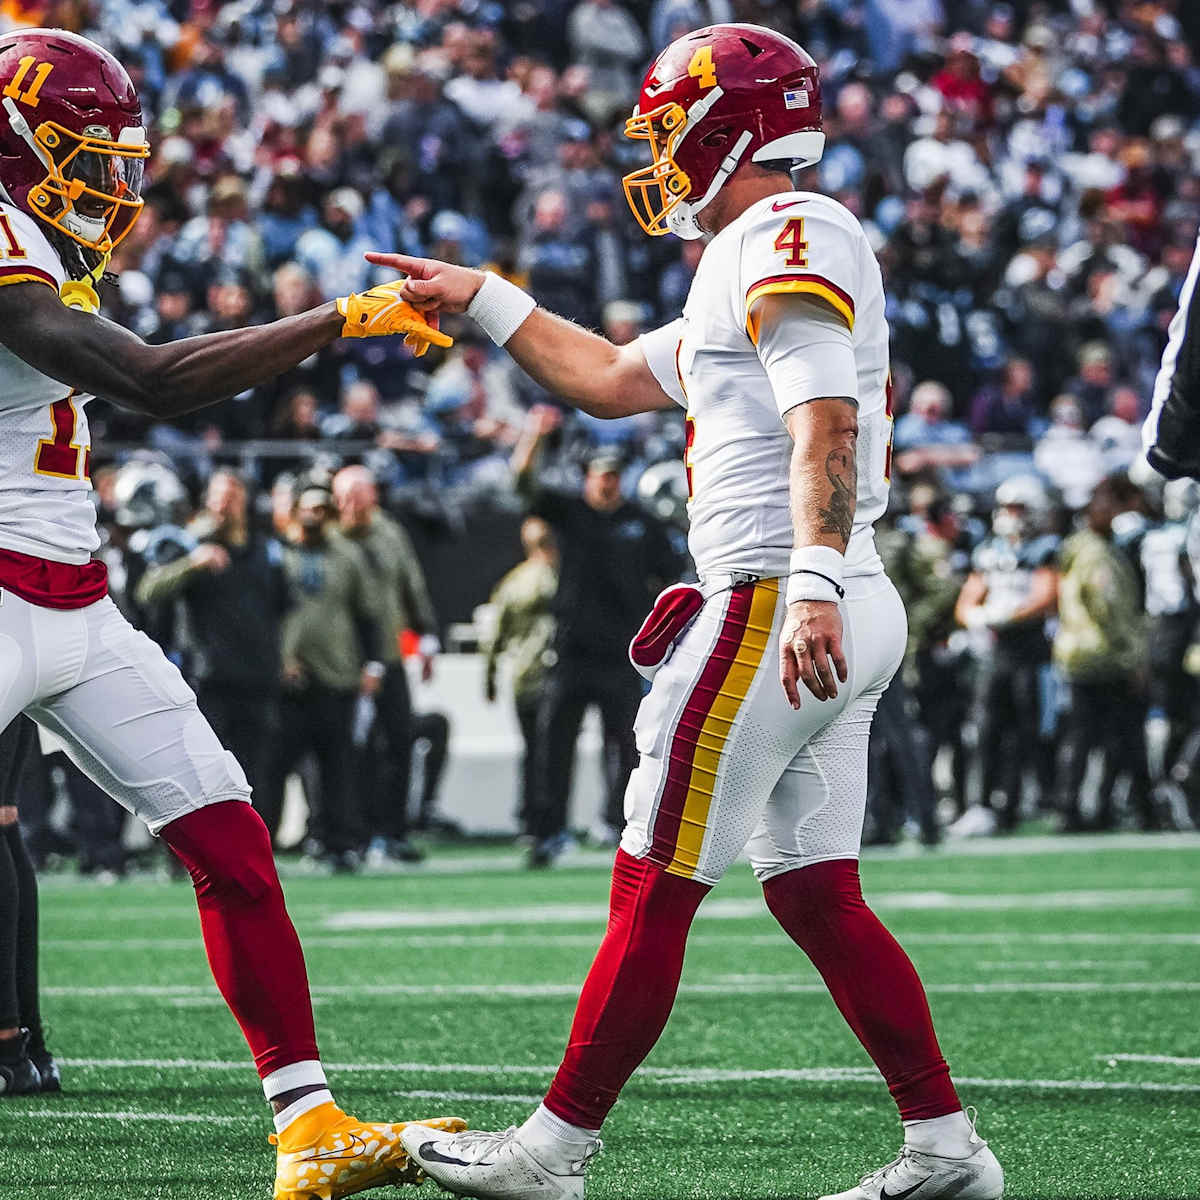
(326, 1154)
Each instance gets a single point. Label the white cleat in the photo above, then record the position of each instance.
(916, 1175)
(977, 821)
(491, 1165)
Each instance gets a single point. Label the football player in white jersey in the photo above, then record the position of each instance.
(765, 677)
(72, 147)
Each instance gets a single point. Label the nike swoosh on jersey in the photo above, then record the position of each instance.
(432, 1154)
(777, 207)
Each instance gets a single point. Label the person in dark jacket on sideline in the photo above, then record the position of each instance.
(231, 588)
(614, 558)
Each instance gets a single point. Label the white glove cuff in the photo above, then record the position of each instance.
(500, 308)
(815, 573)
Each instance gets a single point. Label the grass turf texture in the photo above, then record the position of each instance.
(1046, 962)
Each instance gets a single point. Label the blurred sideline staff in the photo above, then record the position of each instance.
(401, 601)
(26, 1066)
(231, 589)
(1100, 649)
(613, 559)
(1010, 593)
(523, 611)
(330, 653)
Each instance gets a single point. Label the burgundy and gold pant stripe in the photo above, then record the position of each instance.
(704, 727)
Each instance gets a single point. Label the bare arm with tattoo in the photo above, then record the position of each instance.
(824, 488)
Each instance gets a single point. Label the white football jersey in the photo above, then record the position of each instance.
(739, 449)
(46, 507)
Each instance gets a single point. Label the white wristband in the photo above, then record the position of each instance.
(500, 308)
(815, 573)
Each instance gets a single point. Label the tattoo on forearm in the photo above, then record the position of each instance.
(838, 515)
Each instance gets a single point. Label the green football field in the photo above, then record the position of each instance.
(1064, 977)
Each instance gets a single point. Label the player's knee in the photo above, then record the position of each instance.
(226, 849)
(818, 890)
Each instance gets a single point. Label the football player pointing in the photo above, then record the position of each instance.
(72, 149)
(781, 361)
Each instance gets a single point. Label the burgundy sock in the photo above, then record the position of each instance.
(871, 979)
(629, 991)
(252, 945)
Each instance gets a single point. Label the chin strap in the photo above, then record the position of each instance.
(20, 127)
(729, 164)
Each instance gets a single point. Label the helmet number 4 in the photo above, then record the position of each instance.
(701, 67)
(30, 96)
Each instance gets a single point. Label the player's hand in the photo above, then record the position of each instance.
(292, 674)
(810, 650)
(427, 661)
(210, 557)
(489, 688)
(370, 681)
(383, 310)
(432, 285)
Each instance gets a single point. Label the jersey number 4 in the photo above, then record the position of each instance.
(791, 242)
(58, 455)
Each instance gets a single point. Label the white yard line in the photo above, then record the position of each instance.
(1063, 964)
(741, 909)
(437, 941)
(59, 1114)
(1171, 1060)
(664, 1076)
(727, 985)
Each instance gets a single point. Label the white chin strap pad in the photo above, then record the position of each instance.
(90, 228)
(686, 225)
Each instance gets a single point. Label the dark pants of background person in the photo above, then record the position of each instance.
(528, 706)
(1008, 727)
(19, 910)
(431, 735)
(1105, 715)
(943, 700)
(318, 719)
(385, 762)
(571, 687)
(1171, 688)
(96, 826)
(97, 823)
(247, 722)
(900, 777)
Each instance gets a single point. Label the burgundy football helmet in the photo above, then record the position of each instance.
(72, 144)
(711, 98)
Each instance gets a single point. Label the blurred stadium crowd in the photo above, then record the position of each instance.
(1029, 173)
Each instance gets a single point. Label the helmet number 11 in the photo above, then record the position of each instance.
(30, 96)
(701, 67)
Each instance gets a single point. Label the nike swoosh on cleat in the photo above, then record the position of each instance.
(356, 1148)
(884, 1194)
(433, 1154)
(777, 207)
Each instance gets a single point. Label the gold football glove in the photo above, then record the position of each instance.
(381, 311)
